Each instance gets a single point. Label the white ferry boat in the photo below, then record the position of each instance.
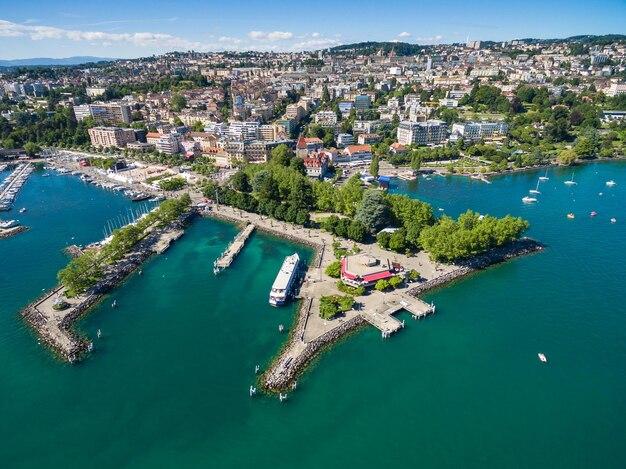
(285, 280)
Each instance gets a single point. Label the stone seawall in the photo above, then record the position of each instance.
(518, 248)
(275, 383)
(10, 232)
(57, 328)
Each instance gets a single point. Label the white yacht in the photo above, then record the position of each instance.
(570, 182)
(529, 200)
(611, 183)
(536, 189)
(285, 280)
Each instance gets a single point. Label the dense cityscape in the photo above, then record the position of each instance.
(254, 215)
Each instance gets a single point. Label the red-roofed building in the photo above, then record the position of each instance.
(356, 152)
(307, 145)
(364, 270)
(368, 139)
(316, 164)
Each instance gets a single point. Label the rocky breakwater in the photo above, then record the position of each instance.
(521, 247)
(294, 358)
(10, 232)
(52, 316)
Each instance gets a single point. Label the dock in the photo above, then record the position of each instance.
(234, 248)
(382, 315)
(13, 183)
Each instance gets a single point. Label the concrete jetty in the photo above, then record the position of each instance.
(54, 326)
(234, 248)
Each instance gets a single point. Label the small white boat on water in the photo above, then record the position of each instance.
(611, 183)
(536, 189)
(529, 200)
(544, 177)
(23, 209)
(570, 182)
(542, 357)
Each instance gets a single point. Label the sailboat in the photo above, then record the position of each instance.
(535, 190)
(545, 177)
(571, 181)
(529, 200)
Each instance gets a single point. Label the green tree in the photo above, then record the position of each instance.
(334, 269)
(395, 281)
(373, 212)
(382, 285)
(31, 148)
(178, 102)
(374, 166)
(567, 157)
(241, 182)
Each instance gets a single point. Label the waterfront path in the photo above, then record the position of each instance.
(234, 248)
(311, 331)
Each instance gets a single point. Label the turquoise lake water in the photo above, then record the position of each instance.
(168, 383)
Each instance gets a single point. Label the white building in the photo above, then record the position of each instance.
(244, 130)
(326, 118)
(169, 143)
(343, 140)
(82, 111)
(472, 131)
(615, 89)
(422, 133)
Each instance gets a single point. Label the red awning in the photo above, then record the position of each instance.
(344, 272)
(378, 276)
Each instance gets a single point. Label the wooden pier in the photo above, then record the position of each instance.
(234, 248)
(381, 316)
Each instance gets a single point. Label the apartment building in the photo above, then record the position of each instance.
(422, 133)
(110, 113)
(473, 131)
(326, 118)
(111, 136)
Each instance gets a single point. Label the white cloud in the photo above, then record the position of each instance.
(315, 34)
(272, 36)
(436, 38)
(143, 39)
(313, 44)
(404, 34)
(231, 40)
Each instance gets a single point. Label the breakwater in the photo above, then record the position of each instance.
(494, 256)
(294, 357)
(10, 232)
(52, 316)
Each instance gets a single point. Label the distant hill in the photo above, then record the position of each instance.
(366, 48)
(43, 61)
(404, 48)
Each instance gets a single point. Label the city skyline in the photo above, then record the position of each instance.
(42, 29)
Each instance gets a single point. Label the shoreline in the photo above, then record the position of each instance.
(10, 232)
(297, 352)
(273, 382)
(56, 327)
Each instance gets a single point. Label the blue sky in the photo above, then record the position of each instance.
(115, 28)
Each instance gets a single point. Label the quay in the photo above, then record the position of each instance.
(13, 183)
(54, 325)
(234, 248)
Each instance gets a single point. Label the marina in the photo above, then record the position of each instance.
(233, 249)
(11, 185)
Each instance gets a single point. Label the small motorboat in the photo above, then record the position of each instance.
(613, 220)
(593, 214)
(571, 215)
(529, 200)
(542, 357)
(23, 209)
(611, 183)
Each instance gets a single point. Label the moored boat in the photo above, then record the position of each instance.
(529, 200)
(611, 183)
(571, 215)
(285, 281)
(542, 357)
